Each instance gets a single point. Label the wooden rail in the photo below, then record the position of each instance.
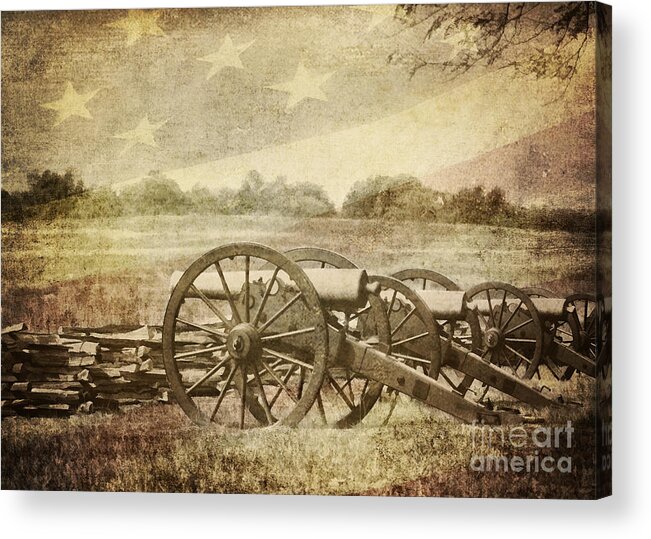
(84, 369)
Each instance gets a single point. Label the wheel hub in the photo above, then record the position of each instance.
(244, 343)
(492, 337)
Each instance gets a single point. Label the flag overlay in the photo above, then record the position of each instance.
(206, 95)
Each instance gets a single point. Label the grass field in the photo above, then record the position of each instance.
(116, 272)
(90, 273)
(156, 449)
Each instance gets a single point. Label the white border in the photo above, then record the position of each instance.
(34, 514)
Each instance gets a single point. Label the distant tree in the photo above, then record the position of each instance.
(272, 196)
(227, 200)
(478, 206)
(207, 201)
(406, 198)
(49, 186)
(280, 197)
(306, 200)
(96, 203)
(412, 201)
(155, 195)
(370, 197)
(202, 200)
(250, 193)
(48, 195)
(12, 206)
(496, 203)
(391, 197)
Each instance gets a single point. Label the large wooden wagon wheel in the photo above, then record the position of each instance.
(558, 329)
(465, 332)
(414, 333)
(538, 292)
(604, 352)
(585, 321)
(425, 279)
(235, 339)
(316, 257)
(346, 398)
(562, 331)
(512, 330)
(565, 332)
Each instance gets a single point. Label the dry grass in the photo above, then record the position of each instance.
(156, 449)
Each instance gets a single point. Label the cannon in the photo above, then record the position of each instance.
(539, 330)
(524, 329)
(583, 326)
(469, 355)
(265, 342)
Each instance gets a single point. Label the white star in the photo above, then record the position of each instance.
(138, 23)
(228, 55)
(143, 133)
(71, 104)
(304, 85)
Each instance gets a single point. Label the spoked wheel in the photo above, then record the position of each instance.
(585, 323)
(538, 292)
(561, 331)
(465, 332)
(414, 333)
(316, 257)
(604, 354)
(512, 329)
(346, 398)
(558, 329)
(243, 347)
(424, 279)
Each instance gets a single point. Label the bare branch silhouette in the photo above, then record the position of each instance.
(540, 39)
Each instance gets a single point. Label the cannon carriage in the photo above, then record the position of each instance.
(277, 341)
(583, 327)
(472, 356)
(524, 329)
(307, 336)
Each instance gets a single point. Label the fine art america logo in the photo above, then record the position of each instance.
(490, 443)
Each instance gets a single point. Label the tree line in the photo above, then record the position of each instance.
(400, 198)
(406, 198)
(51, 195)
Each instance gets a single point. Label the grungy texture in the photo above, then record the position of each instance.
(327, 95)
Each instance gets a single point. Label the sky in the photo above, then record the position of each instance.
(206, 95)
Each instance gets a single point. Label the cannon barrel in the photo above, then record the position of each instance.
(445, 304)
(552, 309)
(337, 288)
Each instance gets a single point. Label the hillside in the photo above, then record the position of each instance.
(553, 166)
